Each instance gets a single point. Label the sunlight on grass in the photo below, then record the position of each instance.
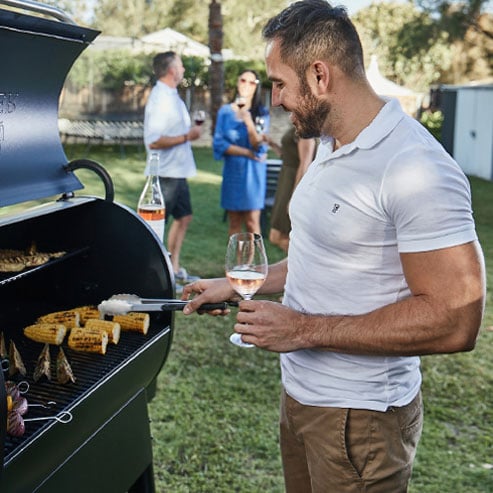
(207, 177)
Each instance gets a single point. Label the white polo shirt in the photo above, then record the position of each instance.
(394, 189)
(167, 115)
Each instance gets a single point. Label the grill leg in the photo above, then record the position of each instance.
(145, 483)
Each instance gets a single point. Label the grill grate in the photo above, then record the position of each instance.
(89, 369)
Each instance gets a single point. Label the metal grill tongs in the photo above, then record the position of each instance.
(120, 304)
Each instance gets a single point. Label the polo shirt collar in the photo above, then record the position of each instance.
(386, 120)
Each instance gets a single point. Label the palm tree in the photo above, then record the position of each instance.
(216, 68)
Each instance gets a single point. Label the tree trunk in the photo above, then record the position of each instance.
(216, 68)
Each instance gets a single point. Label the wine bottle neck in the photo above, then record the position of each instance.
(154, 164)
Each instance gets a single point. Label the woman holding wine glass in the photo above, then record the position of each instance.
(239, 142)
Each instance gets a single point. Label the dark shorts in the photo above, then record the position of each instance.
(176, 197)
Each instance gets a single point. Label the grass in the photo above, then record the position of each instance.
(214, 417)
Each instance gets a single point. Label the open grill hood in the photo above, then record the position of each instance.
(36, 55)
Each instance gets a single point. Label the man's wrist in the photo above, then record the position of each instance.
(185, 138)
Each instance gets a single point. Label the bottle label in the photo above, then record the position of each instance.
(154, 217)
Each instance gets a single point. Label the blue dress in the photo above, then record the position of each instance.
(244, 179)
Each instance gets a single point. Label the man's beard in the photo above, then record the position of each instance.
(310, 116)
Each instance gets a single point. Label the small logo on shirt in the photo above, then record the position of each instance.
(335, 208)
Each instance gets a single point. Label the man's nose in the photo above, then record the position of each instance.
(275, 97)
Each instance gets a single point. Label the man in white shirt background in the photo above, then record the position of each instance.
(168, 130)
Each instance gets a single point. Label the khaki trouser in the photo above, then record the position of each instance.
(333, 450)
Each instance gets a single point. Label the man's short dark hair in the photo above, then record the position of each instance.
(312, 29)
(162, 62)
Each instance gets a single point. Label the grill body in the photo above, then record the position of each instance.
(107, 446)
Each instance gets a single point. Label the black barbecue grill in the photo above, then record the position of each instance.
(108, 249)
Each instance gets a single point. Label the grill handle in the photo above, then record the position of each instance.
(40, 8)
(99, 170)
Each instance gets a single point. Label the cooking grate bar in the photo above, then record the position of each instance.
(88, 368)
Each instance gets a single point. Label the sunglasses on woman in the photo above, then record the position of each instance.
(251, 82)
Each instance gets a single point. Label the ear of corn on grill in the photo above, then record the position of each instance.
(134, 321)
(91, 340)
(46, 332)
(88, 332)
(69, 318)
(111, 328)
(86, 312)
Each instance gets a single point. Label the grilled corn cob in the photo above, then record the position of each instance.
(87, 312)
(69, 318)
(111, 328)
(91, 340)
(134, 321)
(46, 332)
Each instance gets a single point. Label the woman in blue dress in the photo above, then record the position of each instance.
(239, 141)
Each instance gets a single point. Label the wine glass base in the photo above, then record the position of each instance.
(235, 338)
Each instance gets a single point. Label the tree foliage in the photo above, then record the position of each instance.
(409, 50)
(417, 47)
(418, 43)
(242, 23)
(113, 70)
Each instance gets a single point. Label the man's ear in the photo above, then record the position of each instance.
(319, 77)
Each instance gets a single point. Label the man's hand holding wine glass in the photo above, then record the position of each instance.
(199, 117)
(265, 324)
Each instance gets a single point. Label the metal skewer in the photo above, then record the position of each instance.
(62, 417)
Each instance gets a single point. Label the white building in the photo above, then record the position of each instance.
(467, 131)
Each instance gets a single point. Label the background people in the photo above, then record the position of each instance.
(168, 130)
(238, 140)
(296, 154)
(389, 268)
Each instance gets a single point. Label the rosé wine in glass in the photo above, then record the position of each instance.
(246, 269)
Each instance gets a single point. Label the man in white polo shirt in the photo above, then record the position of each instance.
(168, 130)
(383, 266)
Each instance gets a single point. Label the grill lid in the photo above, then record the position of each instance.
(37, 54)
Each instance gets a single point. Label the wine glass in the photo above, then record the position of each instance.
(259, 124)
(246, 269)
(240, 101)
(199, 117)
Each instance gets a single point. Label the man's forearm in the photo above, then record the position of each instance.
(442, 314)
(165, 142)
(410, 327)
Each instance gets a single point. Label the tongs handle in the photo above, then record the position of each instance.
(206, 307)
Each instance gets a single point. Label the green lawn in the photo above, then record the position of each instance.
(214, 418)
